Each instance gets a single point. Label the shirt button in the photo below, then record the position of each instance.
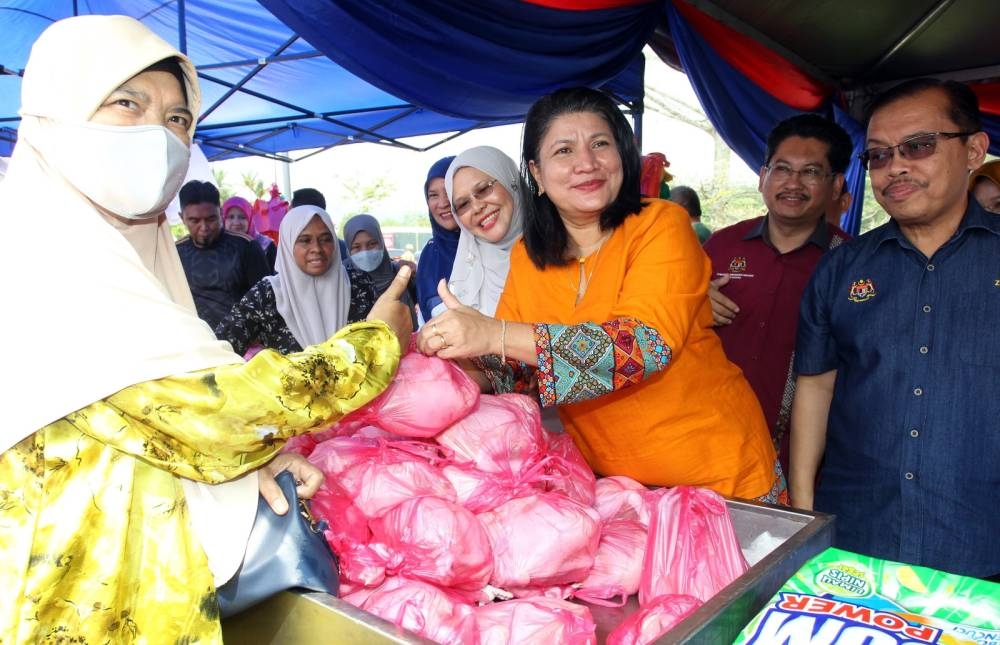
(914, 433)
(917, 391)
(930, 267)
(908, 475)
(761, 323)
(924, 350)
(927, 309)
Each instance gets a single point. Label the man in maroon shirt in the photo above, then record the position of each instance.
(761, 266)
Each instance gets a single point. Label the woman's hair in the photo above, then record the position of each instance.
(172, 66)
(544, 232)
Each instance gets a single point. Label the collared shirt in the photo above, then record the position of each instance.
(912, 464)
(219, 274)
(767, 285)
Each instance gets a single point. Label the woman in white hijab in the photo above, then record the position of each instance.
(311, 295)
(486, 192)
(116, 392)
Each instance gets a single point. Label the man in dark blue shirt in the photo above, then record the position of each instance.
(898, 350)
(220, 266)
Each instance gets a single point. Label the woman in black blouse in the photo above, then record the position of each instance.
(311, 296)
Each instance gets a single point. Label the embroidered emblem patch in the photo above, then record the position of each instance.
(862, 290)
(738, 264)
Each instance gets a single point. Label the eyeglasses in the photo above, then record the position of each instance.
(479, 194)
(811, 175)
(918, 146)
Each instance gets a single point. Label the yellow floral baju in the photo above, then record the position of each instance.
(94, 534)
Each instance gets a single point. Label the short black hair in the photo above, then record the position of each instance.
(545, 235)
(308, 197)
(813, 126)
(199, 192)
(963, 105)
(688, 198)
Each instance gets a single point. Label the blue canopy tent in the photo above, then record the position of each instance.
(268, 91)
(288, 75)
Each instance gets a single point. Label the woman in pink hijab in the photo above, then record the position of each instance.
(237, 217)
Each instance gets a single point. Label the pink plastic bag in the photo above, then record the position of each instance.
(621, 498)
(654, 620)
(421, 608)
(334, 456)
(426, 395)
(438, 541)
(567, 471)
(617, 566)
(503, 435)
(692, 548)
(545, 621)
(480, 491)
(348, 535)
(542, 540)
(395, 476)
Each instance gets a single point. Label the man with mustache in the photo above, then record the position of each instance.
(761, 266)
(898, 353)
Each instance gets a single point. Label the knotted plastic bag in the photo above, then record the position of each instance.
(502, 435)
(542, 540)
(617, 566)
(422, 608)
(652, 621)
(426, 395)
(434, 540)
(692, 548)
(621, 498)
(546, 621)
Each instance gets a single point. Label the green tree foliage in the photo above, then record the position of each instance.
(225, 190)
(361, 197)
(256, 186)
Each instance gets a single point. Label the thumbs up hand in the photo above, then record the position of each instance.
(459, 332)
(390, 310)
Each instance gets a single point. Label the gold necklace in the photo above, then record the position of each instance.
(583, 280)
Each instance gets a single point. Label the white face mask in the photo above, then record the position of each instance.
(367, 260)
(132, 171)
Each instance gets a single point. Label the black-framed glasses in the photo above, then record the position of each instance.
(811, 175)
(479, 194)
(919, 146)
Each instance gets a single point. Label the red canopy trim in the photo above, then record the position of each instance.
(588, 5)
(989, 97)
(769, 71)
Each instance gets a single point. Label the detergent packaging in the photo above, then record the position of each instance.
(841, 598)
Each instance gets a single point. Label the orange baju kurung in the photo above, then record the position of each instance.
(675, 410)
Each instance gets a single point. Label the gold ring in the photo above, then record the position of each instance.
(444, 343)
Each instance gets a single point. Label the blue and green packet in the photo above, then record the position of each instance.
(842, 598)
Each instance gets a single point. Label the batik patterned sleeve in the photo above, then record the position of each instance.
(507, 377)
(244, 323)
(584, 361)
(215, 424)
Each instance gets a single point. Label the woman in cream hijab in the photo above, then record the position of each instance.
(311, 295)
(486, 192)
(115, 391)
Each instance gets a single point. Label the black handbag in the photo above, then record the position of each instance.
(284, 552)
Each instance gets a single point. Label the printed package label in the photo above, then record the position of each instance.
(842, 598)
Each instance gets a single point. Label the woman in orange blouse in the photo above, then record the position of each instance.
(605, 306)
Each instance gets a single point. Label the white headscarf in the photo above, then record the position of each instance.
(480, 269)
(314, 307)
(100, 303)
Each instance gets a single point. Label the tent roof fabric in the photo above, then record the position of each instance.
(331, 72)
(268, 91)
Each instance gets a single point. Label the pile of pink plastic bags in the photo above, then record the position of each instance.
(457, 517)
